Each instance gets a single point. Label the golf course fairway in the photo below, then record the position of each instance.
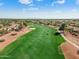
(41, 43)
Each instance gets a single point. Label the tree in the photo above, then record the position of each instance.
(62, 27)
(24, 23)
(78, 52)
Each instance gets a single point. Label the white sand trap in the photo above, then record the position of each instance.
(33, 28)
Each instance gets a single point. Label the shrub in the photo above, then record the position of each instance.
(2, 40)
(57, 33)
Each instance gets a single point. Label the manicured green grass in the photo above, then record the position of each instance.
(41, 43)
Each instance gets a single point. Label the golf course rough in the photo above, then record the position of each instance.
(40, 43)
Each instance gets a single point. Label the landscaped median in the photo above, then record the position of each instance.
(41, 43)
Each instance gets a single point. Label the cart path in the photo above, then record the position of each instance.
(69, 41)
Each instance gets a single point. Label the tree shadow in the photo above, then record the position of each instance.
(57, 33)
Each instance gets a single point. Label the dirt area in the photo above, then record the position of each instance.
(12, 36)
(70, 52)
(72, 38)
(69, 49)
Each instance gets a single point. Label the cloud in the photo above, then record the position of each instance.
(74, 10)
(39, 0)
(60, 1)
(33, 8)
(58, 11)
(52, 4)
(77, 2)
(26, 2)
(30, 5)
(30, 9)
(1, 4)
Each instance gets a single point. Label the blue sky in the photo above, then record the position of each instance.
(39, 9)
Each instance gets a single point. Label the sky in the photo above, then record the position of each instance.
(55, 9)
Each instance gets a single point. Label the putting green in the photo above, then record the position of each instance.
(41, 43)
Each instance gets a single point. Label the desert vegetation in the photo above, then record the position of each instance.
(44, 42)
(6, 26)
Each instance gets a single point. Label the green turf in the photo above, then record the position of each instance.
(41, 43)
